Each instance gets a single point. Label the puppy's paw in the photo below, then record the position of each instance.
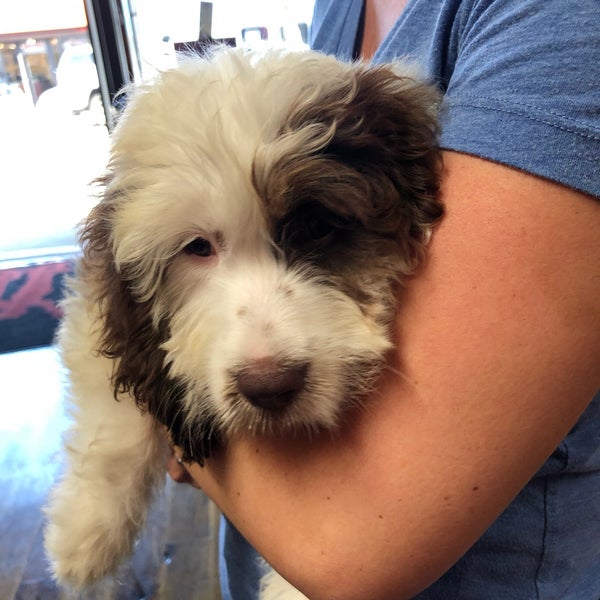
(87, 536)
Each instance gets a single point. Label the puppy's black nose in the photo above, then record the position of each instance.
(269, 384)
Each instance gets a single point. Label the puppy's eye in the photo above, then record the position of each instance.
(199, 247)
(318, 227)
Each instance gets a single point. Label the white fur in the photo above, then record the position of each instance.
(246, 309)
(115, 462)
(182, 158)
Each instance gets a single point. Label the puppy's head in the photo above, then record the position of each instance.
(259, 213)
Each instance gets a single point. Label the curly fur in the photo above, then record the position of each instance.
(241, 271)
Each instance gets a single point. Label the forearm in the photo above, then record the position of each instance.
(343, 519)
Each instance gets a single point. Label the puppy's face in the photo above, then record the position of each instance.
(258, 216)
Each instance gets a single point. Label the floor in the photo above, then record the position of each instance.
(176, 558)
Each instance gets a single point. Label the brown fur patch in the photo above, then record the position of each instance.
(361, 160)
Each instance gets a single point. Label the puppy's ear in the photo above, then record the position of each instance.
(127, 334)
(392, 122)
(372, 132)
(387, 128)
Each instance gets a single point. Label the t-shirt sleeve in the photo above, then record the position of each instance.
(335, 26)
(524, 87)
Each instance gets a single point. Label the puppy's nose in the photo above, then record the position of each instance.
(269, 384)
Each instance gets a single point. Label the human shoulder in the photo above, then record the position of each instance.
(519, 79)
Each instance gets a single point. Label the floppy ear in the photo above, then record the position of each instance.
(128, 335)
(390, 128)
(376, 129)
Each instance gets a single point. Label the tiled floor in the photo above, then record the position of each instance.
(175, 559)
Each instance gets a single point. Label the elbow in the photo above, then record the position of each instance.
(335, 577)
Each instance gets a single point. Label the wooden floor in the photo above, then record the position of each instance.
(175, 559)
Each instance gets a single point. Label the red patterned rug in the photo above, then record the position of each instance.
(29, 297)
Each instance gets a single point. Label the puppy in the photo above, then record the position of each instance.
(241, 272)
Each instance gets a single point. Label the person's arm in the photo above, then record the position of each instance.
(498, 346)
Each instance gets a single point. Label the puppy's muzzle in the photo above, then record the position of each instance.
(269, 384)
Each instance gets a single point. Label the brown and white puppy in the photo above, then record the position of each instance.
(241, 271)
